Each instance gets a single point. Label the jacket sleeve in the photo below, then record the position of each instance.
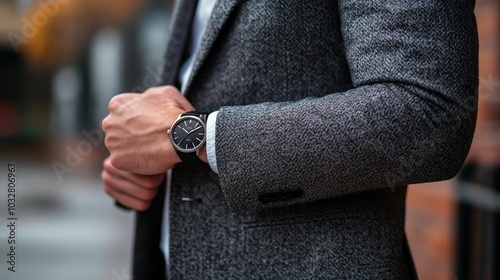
(409, 117)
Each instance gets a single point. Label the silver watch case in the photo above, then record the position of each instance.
(181, 118)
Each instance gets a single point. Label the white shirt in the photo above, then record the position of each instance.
(202, 15)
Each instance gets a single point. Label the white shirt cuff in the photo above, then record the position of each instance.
(212, 160)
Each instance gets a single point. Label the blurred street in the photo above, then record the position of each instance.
(60, 64)
(68, 230)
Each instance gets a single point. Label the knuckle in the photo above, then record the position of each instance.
(169, 88)
(107, 179)
(114, 161)
(114, 103)
(107, 142)
(118, 162)
(106, 164)
(106, 123)
(104, 176)
(160, 90)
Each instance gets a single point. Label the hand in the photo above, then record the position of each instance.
(136, 129)
(132, 190)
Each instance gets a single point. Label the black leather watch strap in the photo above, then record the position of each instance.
(189, 157)
(194, 113)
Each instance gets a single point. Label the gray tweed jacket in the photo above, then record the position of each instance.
(327, 110)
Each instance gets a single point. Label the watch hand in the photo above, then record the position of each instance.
(185, 130)
(184, 138)
(194, 130)
(188, 133)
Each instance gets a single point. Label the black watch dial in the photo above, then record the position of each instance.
(188, 134)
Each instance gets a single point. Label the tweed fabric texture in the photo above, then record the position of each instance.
(356, 236)
(328, 109)
(409, 117)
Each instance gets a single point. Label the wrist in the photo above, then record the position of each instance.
(202, 154)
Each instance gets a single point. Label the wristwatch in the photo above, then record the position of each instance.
(188, 135)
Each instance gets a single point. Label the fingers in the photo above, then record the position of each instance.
(127, 187)
(128, 193)
(175, 95)
(132, 190)
(118, 101)
(145, 181)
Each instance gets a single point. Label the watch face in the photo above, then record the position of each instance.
(188, 134)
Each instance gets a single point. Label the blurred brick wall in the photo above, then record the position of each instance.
(431, 208)
(430, 226)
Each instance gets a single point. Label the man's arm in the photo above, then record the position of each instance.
(140, 151)
(409, 118)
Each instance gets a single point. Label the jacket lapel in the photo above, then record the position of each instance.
(220, 14)
(179, 33)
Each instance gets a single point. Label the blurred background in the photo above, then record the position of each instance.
(61, 61)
